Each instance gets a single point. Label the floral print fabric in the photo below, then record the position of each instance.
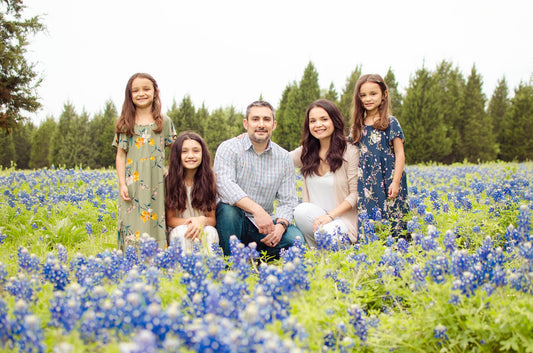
(376, 170)
(145, 178)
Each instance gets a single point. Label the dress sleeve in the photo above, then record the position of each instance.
(395, 130)
(169, 132)
(122, 141)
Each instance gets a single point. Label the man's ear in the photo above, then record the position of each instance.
(275, 124)
(245, 124)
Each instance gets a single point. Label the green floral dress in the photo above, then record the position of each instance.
(145, 178)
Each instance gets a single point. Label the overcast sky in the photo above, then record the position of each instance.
(228, 52)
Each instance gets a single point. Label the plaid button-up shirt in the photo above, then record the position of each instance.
(264, 178)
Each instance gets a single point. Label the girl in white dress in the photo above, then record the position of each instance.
(190, 199)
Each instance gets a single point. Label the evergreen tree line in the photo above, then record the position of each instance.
(445, 118)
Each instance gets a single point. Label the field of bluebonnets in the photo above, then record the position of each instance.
(463, 283)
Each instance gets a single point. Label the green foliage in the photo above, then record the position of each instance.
(40, 144)
(395, 95)
(18, 79)
(294, 102)
(22, 135)
(7, 149)
(517, 126)
(425, 131)
(479, 141)
(498, 105)
(102, 132)
(62, 140)
(346, 99)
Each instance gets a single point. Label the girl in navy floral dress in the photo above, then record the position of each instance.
(382, 184)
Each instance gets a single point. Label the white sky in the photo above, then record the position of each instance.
(228, 52)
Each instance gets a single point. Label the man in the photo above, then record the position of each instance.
(253, 172)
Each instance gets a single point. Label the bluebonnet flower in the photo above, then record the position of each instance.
(403, 246)
(393, 262)
(147, 247)
(367, 228)
(89, 228)
(31, 339)
(437, 268)
(66, 308)
(524, 223)
(61, 253)
(3, 273)
(358, 321)
(241, 257)
(27, 262)
(440, 333)
(340, 284)
(2, 237)
(333, 242)
(418, 277)
(5, 326)
(429, 218)
(22, 287)
(449, 241)
(55, 272)
(145, 342)
(413, 224)
(390, 241)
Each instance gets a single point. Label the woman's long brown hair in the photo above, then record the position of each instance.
(385, 108)
(204, 190)
(311, 145)
(126, 121)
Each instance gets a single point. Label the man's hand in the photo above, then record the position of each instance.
(272, 239)
(263, 221)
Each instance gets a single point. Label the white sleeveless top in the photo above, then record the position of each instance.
(321, 190)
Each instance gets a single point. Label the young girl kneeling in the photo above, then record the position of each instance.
(190, 198)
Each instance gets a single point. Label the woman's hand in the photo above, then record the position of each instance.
(320, 221)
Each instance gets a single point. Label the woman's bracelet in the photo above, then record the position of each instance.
(330, 216)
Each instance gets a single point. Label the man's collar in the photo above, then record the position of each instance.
(248, 143)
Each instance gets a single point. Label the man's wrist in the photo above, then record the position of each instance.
(283, 222)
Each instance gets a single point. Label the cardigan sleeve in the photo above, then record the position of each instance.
(351, 157)
(296, 155)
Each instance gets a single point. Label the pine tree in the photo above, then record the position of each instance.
(22, 140)
(331, 94)
(7, 149)
(218, 131)
(18, 79)
(497, 109)
(60, 150)
(346, 99)
(202, 115)
(283, 115)
(517, 126)
(81, 151)
(186, 119)
(449, 92)
(479, 142)
(41, 141)
(102, 132)
(173, 114)
(424, 130)
(394, 94)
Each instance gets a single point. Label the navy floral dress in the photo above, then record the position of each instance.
(376, 170)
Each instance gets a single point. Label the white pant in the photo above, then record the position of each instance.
(304, 217)
(209, 237)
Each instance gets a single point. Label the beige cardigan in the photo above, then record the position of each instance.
(345, 183)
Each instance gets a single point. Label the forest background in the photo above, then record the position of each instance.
(446, 118)
(445, 115)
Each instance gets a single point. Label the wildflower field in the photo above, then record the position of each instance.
(463, 283)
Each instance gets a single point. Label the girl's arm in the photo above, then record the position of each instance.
(120, 164)
(394, 187)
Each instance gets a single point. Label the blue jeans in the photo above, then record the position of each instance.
(232, 220)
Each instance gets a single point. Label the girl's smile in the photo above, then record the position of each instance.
(191, 154)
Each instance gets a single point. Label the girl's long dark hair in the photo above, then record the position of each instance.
(311, 145)
(204, 190)
(126, 121)
(359, 112)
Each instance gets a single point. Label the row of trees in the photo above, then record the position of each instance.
(445, 118)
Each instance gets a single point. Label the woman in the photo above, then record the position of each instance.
(329, 167)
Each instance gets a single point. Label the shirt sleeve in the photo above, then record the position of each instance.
(225, 168)
(286, 196)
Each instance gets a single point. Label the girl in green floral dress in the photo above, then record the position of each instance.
(142, 133)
